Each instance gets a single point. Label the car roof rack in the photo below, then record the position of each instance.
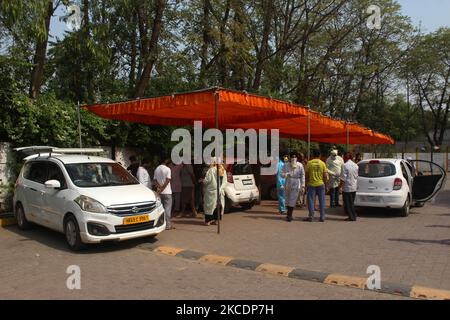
(38, 150)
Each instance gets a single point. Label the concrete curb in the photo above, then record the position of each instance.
(410, 291)
(7, 219)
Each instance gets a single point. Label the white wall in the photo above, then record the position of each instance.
(438, 158)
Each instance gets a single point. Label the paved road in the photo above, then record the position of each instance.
(33, 266)
(413, 250)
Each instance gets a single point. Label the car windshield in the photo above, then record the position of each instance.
(90, 175)
(376, 169)
(242, 169)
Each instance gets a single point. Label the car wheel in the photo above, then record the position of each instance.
(404, 212)
(228, 205)
(72, 233)
(22, 221)
(273, 193)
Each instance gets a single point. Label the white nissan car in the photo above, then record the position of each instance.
(397, 183)
(241, 189)
(89, 199)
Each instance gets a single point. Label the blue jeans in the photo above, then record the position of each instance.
(320, 191)
(334, 197)
(281, 200)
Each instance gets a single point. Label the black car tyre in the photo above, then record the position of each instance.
(22, 221)
(404, 212)
(72, 233)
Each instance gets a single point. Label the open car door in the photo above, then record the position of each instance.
(429, 179)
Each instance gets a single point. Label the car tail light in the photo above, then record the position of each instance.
(230, 177)
(398, 184)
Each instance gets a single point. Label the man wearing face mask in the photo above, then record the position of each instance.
(334, 167)
(294, 174)
(280, 185)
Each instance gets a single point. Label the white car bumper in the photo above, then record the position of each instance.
(114, 228)
(378, 200)
(244, 196)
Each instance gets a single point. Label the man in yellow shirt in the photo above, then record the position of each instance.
(316, 179)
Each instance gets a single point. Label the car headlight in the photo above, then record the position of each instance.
(90, 205)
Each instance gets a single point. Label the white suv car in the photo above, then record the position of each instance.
(89, 199)
(397, 184)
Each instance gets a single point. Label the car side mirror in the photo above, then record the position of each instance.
(53, 184)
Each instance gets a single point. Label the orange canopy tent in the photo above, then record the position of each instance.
(223, 108)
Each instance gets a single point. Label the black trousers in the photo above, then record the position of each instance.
(349, 200)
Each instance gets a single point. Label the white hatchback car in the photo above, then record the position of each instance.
(241, 189)
(397, 184)
(89, 199)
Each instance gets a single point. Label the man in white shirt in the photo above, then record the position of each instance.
(349, 185)
(163, 190)
(142, 174)
(334, 166)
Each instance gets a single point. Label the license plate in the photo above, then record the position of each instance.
(247, 182)
(373, 199)
(136, 219)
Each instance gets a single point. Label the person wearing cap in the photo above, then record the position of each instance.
(280, 185)
(349, 184)
(334, 166)
(294, 174)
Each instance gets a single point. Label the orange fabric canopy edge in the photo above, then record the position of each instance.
(238, 109)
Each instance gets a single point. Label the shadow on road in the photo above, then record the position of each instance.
(56, 240)
(419, 241)
(437, 226)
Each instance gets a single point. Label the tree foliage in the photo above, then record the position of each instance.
(319, 53)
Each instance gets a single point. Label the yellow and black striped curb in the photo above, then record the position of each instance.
(410, 291)
(7, 220)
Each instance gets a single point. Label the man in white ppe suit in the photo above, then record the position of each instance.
(294, 173)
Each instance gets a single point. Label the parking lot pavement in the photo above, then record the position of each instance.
(33, 265)
(412, 250)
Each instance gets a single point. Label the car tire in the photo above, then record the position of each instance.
(22, 221)
(228, 205)
(72, 234)
(273, 193)
(404, 212)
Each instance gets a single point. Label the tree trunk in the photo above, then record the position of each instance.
(39, 56)
(223, 73)
(152, 55)
(133, 55)
(206, 41)
(263, 50)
